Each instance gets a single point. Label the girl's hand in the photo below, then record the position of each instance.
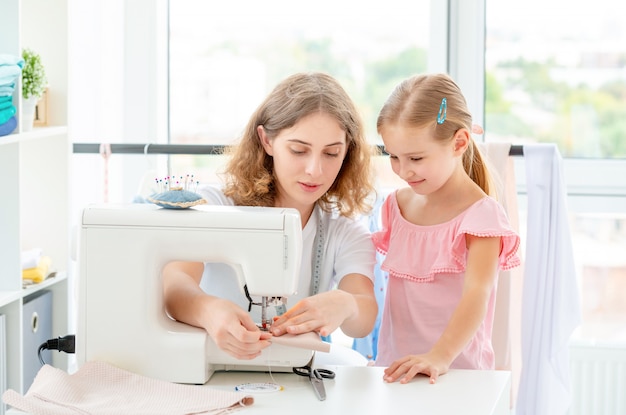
(233, 330)
(322, 313)
(410, 366)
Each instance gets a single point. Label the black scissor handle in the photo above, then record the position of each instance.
(325, 373)
(318, 373)
(302, 371)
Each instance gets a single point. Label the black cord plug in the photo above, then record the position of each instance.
(65, 344)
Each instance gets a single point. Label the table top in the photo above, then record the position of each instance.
(361, 390)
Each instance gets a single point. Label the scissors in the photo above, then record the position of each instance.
(316, 376)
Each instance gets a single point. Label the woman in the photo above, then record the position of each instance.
(303, 148)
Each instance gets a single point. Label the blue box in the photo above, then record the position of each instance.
(37, 329)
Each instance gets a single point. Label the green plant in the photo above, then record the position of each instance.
(33, 75)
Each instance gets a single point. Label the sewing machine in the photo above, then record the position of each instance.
(122, 250)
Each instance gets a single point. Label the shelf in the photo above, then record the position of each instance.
(7, 297)
(34, 166)
(35, 134)
(47, 283)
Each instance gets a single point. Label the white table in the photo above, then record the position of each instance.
(361, 391)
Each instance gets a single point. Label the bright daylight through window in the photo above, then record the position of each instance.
(225, 58)
(549, 81)
(562, 79)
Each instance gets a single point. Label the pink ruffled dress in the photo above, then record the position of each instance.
(426, 266)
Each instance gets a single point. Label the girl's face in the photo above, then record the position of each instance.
(417, 158)
(307, 159)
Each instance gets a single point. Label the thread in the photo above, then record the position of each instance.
(105, 152)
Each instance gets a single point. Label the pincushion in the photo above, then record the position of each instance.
(176, 198)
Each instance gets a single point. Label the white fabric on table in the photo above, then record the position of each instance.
(98, 388)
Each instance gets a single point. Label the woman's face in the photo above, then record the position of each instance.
(307, 159)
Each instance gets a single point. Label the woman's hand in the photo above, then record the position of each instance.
(233, 330)
(352, 306)
(322, 313)
(406, 368)
(230, 327)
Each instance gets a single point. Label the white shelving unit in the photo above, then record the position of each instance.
(34, 177)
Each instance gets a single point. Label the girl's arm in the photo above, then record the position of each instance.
(480, 278)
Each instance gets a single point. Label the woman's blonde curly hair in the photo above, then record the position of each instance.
(249, 174)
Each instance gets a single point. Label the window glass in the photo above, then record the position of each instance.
(225, 57)
(556, 72)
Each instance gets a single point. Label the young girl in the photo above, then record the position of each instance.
(444, 236)
(303, 148)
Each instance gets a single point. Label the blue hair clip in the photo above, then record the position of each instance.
(443, 111)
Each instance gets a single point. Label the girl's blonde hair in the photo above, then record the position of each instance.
(416, 102)
(249, 173)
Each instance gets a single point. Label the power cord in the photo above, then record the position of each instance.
(63, 344)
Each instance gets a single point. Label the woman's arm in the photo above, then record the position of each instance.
(229, 326)
(361, 322)
(352, 306)
(184, 299)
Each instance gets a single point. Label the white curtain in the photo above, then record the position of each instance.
(506, 324)
(550, 303)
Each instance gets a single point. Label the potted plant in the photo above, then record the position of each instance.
(33, 86)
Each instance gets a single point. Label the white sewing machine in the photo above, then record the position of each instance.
(121, 315)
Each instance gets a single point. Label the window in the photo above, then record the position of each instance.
(556, 72)
(225, 58)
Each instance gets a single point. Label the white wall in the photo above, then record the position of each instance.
(118, 91)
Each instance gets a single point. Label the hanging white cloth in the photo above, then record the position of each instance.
(550, 302)
(507, 317)
(503, 170)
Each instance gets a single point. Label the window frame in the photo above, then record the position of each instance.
(595, 185)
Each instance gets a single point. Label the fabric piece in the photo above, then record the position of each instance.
(550, 302)
(7, 59)
(501, 167)
(506, 336)
(7, 90)
(98, 388)
(6, 102)
(7, 113)
(308, 340)
(426, 266)
(8, 127)
(10, 68)
(31, 257)
(38, 273)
